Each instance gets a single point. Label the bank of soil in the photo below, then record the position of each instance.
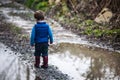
(106, 34)
(109, 40)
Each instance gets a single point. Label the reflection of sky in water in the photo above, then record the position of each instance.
(71, 65)
(82, 63)
(11, 68)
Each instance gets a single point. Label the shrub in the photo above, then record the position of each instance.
(42, 5)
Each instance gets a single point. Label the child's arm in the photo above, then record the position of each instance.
(50, 35)
(32, 38)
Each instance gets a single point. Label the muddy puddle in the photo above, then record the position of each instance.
(12, 67)
(71, 54)
(84, 63)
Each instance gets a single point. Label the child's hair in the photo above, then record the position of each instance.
(39, 15)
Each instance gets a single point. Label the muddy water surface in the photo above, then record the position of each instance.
(12, 67)
(84, 63)
(72, 54)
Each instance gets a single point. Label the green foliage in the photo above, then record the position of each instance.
(42, 5)
(112, 32)
(97, 32)
(37, 4)
(64, 8)
(61, 9)
(29, 3)
(109, 32)
(89, 22)
(88, 31)
(100, 32)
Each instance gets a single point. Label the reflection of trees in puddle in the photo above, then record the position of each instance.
(7, 71)
(27, 73)
(24, 70)
(104, 64)
(95, 70)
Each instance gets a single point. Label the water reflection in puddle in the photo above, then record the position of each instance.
(11, 67)
(70, 65)
(84, 63)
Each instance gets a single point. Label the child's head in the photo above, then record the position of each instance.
(39, 15)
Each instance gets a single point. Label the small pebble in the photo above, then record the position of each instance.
(5, 50)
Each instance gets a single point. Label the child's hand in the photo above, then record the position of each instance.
(49, 44)
(32, 46)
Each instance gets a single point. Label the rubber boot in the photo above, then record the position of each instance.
(37, 61)
(45, 62)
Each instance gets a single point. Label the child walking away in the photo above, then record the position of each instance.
(41, 36)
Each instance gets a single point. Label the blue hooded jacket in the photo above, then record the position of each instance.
(41, 33)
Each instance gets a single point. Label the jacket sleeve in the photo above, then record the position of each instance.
(50, 35)
(32, 38)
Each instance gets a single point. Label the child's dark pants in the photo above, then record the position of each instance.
(41, 49)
